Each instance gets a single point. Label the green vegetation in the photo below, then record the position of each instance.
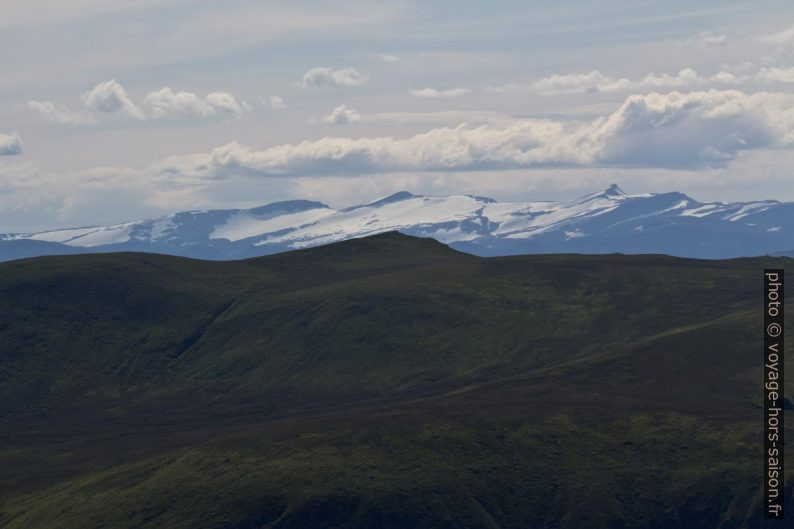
(386, 382)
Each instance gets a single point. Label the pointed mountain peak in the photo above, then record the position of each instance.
(611, 192)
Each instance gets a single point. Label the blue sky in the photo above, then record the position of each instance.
(113, 111)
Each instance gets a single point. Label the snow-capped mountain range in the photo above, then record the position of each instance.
(602, 222)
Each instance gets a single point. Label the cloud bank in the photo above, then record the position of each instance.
(673, 130)
(10, 144)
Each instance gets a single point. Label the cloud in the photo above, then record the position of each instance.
(61, 116)
(780, 46)
(696, 129)
(432, 92)
(673, 130)
(33, 198)
(498, 89)
(783, 37)
(711, 39)
(111, 98)
(324, 76)
(574, 83)
(342, 115)
(444, 117)
(776, 75)
(389, 58)
(595, 81)
(10, 144)
(165, 103)
(276, 103)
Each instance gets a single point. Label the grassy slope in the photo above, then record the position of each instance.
(380, 382)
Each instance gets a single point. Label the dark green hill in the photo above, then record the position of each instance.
(384, 382)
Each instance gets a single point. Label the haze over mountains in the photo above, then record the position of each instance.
(601, 222)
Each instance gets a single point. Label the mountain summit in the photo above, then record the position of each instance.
(613, 191)
(601, 222)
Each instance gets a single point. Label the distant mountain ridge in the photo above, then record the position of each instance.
(602, 222)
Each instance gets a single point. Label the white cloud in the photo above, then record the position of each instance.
(696, 129)
(110, 97)
(432, 92)
(780, 46)
(33, 198)
(783, 37)
(572, 83)
(776, 75)
(225, 103)
(324, 76)
(498, 89)
(595, 81)
(389, 58)
(276, 103)
(712, 39)
(10, 144)
(445, 117)
(674, 130)
(62, 116)
(165, 103)
(342, 115)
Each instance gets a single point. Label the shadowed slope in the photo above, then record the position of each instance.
(380, 382)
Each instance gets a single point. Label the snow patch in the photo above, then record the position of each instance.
(700, 211)
(160, 227)
(245, 225)
(94, 236)
(679, 205)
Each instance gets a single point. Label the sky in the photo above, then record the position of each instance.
(113, 111)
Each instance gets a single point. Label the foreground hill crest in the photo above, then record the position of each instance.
(381, 382)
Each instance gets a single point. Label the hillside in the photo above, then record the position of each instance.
(381, 382)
